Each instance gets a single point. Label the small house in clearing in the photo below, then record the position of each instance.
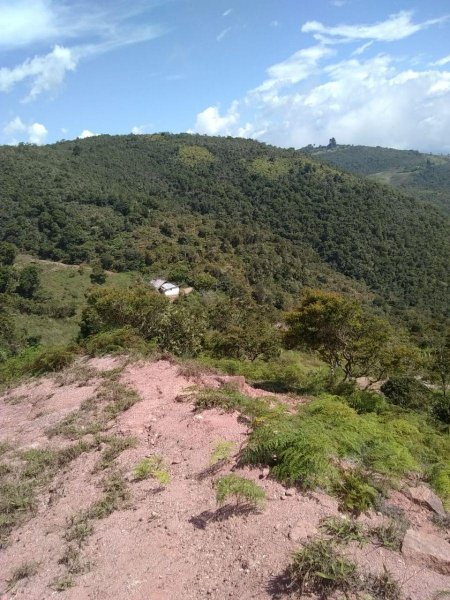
(171, 290)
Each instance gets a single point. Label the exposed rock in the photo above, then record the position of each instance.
(423, 495)
(429, 550)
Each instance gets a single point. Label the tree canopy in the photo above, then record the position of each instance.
(225, 214)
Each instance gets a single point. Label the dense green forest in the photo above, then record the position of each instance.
(224, 214)
(424, 176)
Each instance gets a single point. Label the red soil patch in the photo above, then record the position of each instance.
(172, 542)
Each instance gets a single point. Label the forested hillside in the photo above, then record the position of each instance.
(425, 176)
(226, 214)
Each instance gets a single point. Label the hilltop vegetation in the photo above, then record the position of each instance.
(224, 214)
(424, 176)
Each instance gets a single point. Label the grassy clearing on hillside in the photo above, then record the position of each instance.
(64, 284)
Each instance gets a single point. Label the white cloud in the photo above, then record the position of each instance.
(338, 3)
(321, 92)
(23, 22)
(211, 122)
(35, 133)
(27, 22)
(442, 61)
(223, 34)
(296, 68)
(395, 27)
(14, 126)
(45, 73)
(275, 23)
(140, 129)
(86, 133)
(227, 12)
(362, 49)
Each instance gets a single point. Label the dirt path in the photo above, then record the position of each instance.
(171, 542)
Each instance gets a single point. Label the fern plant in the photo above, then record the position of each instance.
(355, 493)
(243, 490)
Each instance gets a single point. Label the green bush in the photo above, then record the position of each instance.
(441, 408)
(176, 327)
(243, 490)
(182, 328)
(367, 402)
(115, 341)
(407, 392)
(440, 480)
(252, 338)
(29, 281)
(98, 274)
(36, 361)
(53, 359)
(109, 308)
(355, 493)
(8, 253)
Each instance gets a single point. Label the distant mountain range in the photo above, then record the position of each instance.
(235, 215)
(424, 176)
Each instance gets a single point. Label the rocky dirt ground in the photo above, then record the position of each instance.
(170, 542)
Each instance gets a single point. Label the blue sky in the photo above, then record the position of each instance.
(288, 72)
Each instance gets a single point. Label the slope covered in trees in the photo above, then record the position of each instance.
(221, 213)
(425, 176)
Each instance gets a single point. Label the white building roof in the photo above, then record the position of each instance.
(167, 286)
(163, 286)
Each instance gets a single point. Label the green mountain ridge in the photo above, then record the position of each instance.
(424, 176)
(226, 214)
